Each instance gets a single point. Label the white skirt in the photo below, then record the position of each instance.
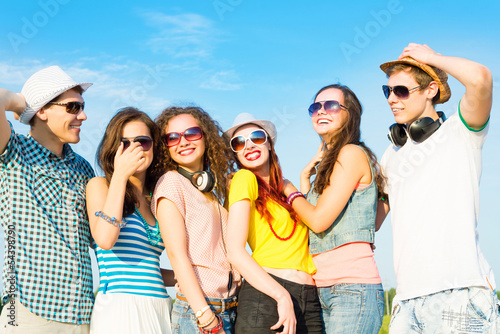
(127, 313)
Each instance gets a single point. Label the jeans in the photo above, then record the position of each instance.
(183, 319)
(463, 310)
(352, 308)
(257, 312)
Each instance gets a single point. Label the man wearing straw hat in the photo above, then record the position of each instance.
(47, 275)
(433, 167)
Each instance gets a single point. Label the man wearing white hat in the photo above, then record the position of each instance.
(47, 275)
(433, 168)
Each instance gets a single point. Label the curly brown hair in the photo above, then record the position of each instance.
(106, 151)
(218, 156)
(348, 133)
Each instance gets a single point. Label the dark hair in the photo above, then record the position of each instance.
(218, 156)
(77, 89)
(421, 77)
(109, 144)
(273, 189)
(348, 133)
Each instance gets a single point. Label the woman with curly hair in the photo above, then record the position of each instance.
(125, 233)
(340, 210)
(193, 222)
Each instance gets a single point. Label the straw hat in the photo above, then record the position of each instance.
(246, 118)
(43, 86)
(438, 75)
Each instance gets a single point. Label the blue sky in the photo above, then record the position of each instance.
(264, 57)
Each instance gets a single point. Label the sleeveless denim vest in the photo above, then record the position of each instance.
(356, 222)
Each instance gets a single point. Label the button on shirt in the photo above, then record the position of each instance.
(47, 235)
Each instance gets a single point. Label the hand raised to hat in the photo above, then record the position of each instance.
(420, 52)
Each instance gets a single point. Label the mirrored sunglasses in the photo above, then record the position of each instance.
(331, 107)
(174, 138)
(401, 92)
(239, 143)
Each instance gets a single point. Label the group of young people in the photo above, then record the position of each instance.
(182, 184)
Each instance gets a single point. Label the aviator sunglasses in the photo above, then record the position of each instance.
(174, 138)
(401, 92)
(71, 107)
(239, 143)
(331, 107)
(145, 142)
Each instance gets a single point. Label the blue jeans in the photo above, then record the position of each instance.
(464, 310)
(183, 319)
(352, 308)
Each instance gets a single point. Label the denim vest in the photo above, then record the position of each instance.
(356, 222)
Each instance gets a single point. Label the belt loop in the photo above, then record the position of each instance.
(223, 305)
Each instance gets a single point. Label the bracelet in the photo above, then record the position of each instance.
(112, 220)
(202, 311)
(212, 318)
(215, 329)
(293, 196)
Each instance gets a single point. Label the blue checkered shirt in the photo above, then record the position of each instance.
(47, 235)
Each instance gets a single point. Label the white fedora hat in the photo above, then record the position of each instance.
(43, 86)
(246, 118)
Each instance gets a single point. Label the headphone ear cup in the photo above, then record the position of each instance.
(397, 134)
(423, 128)
(204, 181)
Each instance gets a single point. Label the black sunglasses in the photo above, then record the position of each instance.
(331, 107)
(238, 143)
(401, 92)
(71, 107)
(174, 138)
(145, 142)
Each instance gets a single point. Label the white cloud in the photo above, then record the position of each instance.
(223, 80)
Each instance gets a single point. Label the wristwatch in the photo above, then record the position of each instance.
(200, 313)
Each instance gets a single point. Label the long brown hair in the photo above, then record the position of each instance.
(348, 133)
(109, 144)
(218, 156)
(273, 189)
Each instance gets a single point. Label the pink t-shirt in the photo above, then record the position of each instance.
(203, 233)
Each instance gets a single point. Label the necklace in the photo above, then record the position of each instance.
(153, 237)
(286, 238)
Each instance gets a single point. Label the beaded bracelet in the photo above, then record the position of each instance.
(215, 329)
(293, 196)
(112, 220)
(212, 318)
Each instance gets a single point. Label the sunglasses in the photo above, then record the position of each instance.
(239, 143)
(71, 107)
(401, 92)
(145, 142)
(174, 138)
(331, 107)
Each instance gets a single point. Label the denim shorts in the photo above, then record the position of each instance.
(352, 308)
(463, 310)
(183, 319)
(257, 312)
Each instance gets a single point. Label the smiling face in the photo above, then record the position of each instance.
(135, 129)
(187, 154)
(253, 157)
(324, 123)
(417, 105)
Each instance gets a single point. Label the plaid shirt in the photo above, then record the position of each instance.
(47, 234)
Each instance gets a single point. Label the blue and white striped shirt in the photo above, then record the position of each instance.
(133, 264)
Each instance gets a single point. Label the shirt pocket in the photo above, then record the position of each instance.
(47, 187)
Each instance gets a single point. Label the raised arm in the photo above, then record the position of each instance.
(475, 106)
(239, 217)
(351, 168)
(9, 101)
(110, 198)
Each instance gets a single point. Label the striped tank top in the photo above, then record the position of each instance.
(133, 264)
